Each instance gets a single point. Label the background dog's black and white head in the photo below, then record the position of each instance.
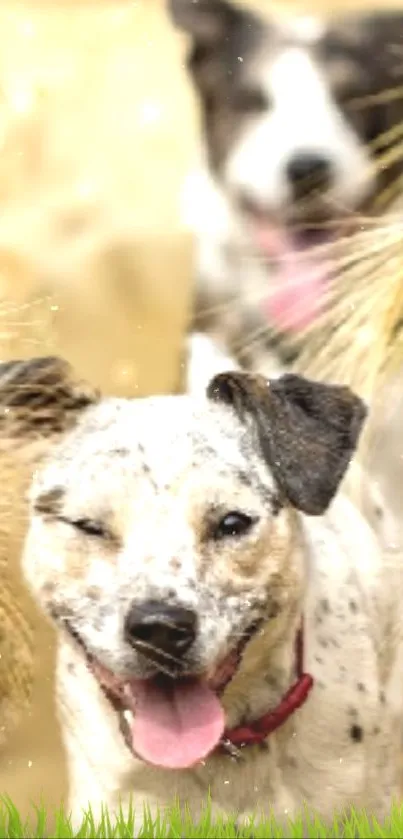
(297, 117)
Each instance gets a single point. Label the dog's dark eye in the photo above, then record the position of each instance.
(233, 524)
(250, 100)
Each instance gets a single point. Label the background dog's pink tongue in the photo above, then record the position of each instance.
(297, 292)
(178, 728)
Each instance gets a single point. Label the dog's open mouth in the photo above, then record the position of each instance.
(301, 270)
(300, 259)
(167, 721)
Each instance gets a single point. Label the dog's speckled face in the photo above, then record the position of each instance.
(164, 531)
(127, 513)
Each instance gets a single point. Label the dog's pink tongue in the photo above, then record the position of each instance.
(178, 728)
(298, 290)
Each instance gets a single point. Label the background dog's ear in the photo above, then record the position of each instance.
(40, 399)
(207, 21)
(307, 431)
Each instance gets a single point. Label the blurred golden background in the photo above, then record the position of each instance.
(97, 129)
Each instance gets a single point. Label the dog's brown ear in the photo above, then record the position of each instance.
(207, 21)
(39, 399)
(307, 431)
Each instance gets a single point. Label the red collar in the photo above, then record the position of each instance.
(256, 731)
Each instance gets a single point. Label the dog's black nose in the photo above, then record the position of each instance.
(154, 627)
(309, 172)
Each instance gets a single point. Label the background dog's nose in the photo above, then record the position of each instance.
(309, 171)
(170, 630)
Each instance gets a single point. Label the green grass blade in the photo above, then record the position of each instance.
(176, 823)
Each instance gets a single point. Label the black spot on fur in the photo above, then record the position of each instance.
(356, 733)
(273, 609)
(120, 452)
(325, 606)
(50, 502)
(277, 504)
(382, 697)
(353, 606)
(361, 687)
(264, 746)
(251, 481)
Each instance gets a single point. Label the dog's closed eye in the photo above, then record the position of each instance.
(233, 524)
(89, 527)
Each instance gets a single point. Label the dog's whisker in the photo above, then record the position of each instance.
(336, 308)
(385, 96)
(345, 319)
(387, 137)
(337, 305)
(226, 306)
(391, 156)
(148, 649)
(354, 247)
(359, 251)
(339, 347)
(389, 194)
(251, 339)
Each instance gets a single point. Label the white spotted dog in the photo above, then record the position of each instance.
(226, 624)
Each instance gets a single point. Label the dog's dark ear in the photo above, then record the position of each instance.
(207, 21)
(307, 431)
(40, 399)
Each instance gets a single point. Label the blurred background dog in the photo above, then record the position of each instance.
(297, 124)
